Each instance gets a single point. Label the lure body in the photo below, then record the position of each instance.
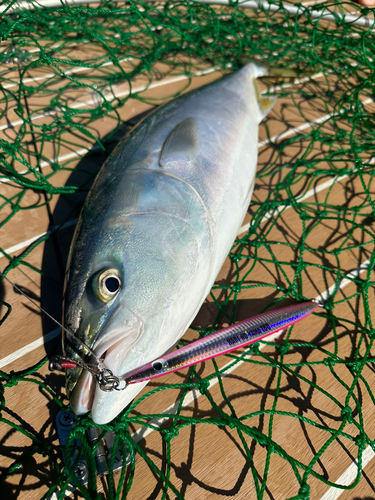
(223, 341)
(155, 230)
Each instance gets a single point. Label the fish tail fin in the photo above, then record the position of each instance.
(275, 72)
(265, 102)
(261, 69)
(264, 69)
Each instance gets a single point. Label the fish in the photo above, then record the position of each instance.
(155, 230)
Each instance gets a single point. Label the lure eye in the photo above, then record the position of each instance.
(107, 284)
(157, 366)
(160, 364)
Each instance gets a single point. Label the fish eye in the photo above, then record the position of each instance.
(112, 284)
(107, 283)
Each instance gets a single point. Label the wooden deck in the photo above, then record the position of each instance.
(209, 461)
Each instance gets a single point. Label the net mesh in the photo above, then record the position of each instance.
(88, 62)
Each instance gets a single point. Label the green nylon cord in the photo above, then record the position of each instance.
(91, 52)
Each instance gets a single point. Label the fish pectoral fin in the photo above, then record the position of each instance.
(265, 103)
(181, 143)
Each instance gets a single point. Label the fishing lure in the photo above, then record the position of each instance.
(223, 341)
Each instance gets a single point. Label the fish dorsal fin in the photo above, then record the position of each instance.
(181, 143)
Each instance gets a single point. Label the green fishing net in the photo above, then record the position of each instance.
(66, 68)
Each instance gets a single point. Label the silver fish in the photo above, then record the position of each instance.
(155, 230)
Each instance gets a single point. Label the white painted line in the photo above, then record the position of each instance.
(68, 156)
(78, 152)
(44, 163)
(308, 194)
(295, 130)
(349, 475)
(322, 14)
(312, 2)
(28, 242)
(68, 492)
(75, 70)
(345, 280)
(29, 348)
(96, 99)
(21, 245)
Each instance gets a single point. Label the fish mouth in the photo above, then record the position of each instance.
(111, 347)
(111, 355)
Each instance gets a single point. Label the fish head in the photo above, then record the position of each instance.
(95, 309)
(123, 289)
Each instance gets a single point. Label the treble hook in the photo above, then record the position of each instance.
(105, 378)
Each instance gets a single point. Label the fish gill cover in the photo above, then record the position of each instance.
(66, 74)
